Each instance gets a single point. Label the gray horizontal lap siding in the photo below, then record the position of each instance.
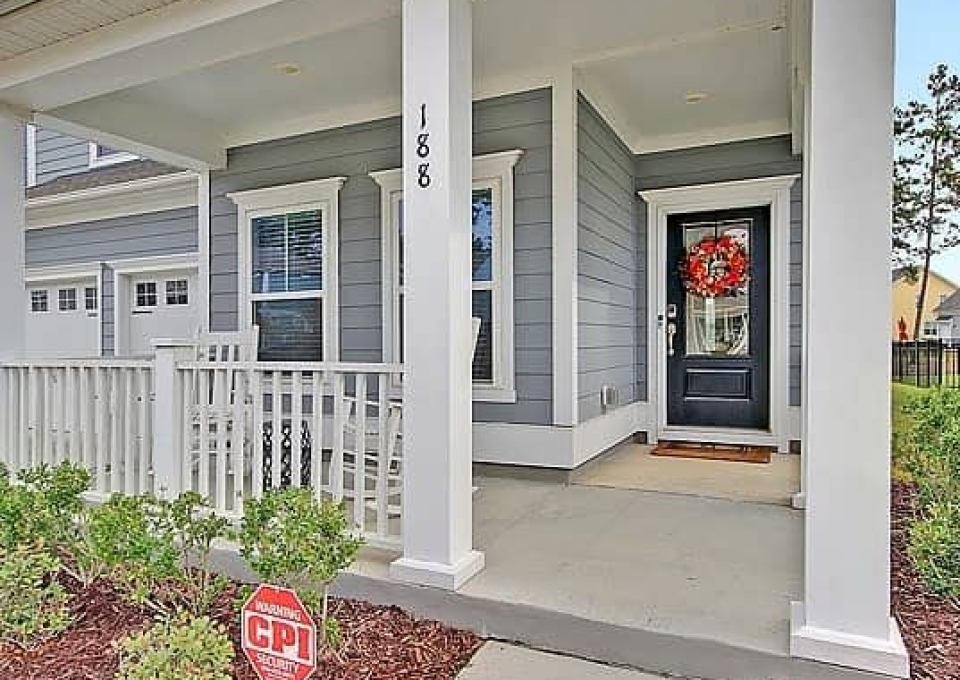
(521, 121)
(169, 232)
(751, 159)
(610, 248)
(59, 155)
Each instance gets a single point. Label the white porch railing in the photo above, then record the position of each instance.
(94, 413)
(228, 430)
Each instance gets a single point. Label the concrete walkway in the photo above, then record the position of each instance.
(499, 661)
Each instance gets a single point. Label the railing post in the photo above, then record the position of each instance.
(168, 416)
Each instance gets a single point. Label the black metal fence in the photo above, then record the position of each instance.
(927, 363)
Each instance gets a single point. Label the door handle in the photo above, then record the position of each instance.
(671, 332)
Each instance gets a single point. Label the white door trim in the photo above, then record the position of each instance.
(661, 203)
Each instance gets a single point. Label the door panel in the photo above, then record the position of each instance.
(718, 372)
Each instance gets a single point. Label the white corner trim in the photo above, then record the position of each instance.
(203, 241)
(593, 437)
(137, 197)
(661, 203)
(160, 263)
(31, 154)
(115, 158)
(887, 656)
(34, 275)
(288, 194)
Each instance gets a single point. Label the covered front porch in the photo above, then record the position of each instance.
(369, 120)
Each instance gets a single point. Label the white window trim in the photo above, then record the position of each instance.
(31, 155)
(136, 306)
(493, 171)
(115, 158)
(320, 195)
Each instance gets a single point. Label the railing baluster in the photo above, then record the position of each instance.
(116, 433)
(296, 428)
(383, 458)
(336, 460)
(25, 441)
(203, 433)
(360, 452)
(256, 475)
(239, 429)
(316, 441)
(276, 449)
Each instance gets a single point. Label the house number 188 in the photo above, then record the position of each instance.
(423, 150)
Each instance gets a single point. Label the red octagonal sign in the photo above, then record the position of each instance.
(278, 635)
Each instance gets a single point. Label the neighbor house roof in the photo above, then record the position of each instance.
(950, 306)
(906, 272)
(112, 174)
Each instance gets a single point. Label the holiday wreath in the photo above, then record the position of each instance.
(716, 267)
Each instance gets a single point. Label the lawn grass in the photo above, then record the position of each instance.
(902, 394)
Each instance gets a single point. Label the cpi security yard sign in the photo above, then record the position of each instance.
(279, 636)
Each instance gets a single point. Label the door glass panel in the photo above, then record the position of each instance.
(718, 326)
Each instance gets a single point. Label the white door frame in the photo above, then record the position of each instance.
(661, 203)
(123, 273)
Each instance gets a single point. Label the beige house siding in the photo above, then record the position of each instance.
(905, 294)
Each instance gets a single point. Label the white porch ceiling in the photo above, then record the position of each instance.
(218, 84)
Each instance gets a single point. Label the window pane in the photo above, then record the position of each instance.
(90, 299)
(305, 243)
(178, 292)
(483, 357)
(400, 244)
(270, 254)
(38, 300)
(290, 330)
(718, 326)
(146, 294)
(483, 235)
(67, 299)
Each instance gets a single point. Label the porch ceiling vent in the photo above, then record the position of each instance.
(11, 6)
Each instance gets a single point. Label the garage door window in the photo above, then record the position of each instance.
(146, 294)
(67, 299)
(38, 301)
(90, 299)
(178, 292)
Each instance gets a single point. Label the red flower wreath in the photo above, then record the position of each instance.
(716, 267)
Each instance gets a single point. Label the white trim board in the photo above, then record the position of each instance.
(661, 203)
(136, 197)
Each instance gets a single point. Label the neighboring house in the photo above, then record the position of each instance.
(906, 298)
(948, 319)
(369, 173)
(111, 249)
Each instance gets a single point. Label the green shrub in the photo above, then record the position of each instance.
(35, 606)
(291, 539)
(42, 506)
(933, 446)
(935, 548)
(180, 648)
(195, 529)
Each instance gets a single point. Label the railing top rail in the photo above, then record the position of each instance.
(294, 367)
(77, 363)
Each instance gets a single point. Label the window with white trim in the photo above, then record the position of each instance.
(90, 299)
(288, 269)
(39, 301)
(67, 299)
(102, 155)
(145, 294)
(178, 292)
(492, 267)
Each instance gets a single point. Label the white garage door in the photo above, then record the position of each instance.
(63, 319)
(161, 305)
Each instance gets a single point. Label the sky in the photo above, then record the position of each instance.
(927, 34)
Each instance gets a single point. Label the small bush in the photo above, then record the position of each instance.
(35, 606)
(935, 548)
(195, 529)
(291, 539)
(180, 648)
(42, 506)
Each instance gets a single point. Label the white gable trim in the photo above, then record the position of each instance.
(137, 197)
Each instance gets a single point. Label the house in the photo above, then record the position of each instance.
(906, 297)
(368, 175)
(948, 319)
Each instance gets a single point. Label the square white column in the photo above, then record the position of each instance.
(844, 617)
(12, 224)
(437, 162)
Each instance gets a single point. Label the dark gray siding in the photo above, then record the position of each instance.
(59, 155)
(163, 233)
(610, 249)
(515, 122)
(736, 161)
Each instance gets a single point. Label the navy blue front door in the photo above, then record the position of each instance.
(718, 349)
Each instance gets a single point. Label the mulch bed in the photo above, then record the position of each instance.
(930, 625)
(379, 643)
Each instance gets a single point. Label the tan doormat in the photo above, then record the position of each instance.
(727, 452)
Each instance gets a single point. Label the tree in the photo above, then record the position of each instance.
(926, 182)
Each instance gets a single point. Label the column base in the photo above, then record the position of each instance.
(437, 575)
(885, 656)
(799, 501)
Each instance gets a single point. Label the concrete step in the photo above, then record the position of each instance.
(500, 661)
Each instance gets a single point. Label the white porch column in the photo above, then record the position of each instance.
(845, 614)
(437, 160)
(12, 223)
